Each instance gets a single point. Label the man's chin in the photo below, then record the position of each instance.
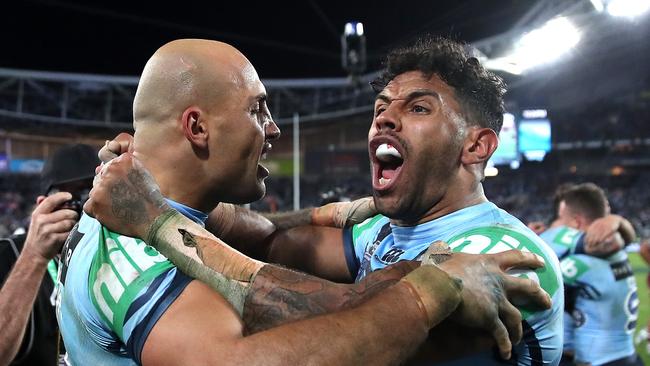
(386, 206)
(244, 197)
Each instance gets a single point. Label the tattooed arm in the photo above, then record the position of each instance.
(317, 250)
(309, 240)
(282, 295)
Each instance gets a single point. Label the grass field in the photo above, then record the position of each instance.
(640, 273)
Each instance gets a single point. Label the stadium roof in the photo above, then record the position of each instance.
(296, 48)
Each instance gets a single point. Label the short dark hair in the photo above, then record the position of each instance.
(479, 92)
(586, 199)
(558, 196)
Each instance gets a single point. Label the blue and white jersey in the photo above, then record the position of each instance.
(478, 229)
(602, 303)
(563, 240)
(112, 291)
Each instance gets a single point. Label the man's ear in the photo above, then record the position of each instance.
(479, 145)
(194, 127)
(581, 222)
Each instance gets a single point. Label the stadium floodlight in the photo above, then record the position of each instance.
(537, 47)
(598, 5)
(353, 48)
(359, 29)
(627, 8)
(546, 44)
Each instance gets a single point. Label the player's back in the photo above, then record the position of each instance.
(112, 291)
(603, 303)
(479, 229)
(562, 239)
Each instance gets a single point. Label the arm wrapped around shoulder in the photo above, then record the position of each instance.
(436, 293)
(342, 214)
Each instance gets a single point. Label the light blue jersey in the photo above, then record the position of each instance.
(563, 240)
(483, 228)
(112, 291)
(602, 303)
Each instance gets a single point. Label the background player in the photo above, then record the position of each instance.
(601, 294)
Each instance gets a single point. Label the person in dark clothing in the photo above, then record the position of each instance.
(28, 261)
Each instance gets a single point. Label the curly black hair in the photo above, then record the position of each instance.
(479, 92)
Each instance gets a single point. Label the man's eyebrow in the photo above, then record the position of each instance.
(383, 97)
(261, 97)
(421, 93)
(412, 95)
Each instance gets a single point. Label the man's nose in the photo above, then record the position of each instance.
(389, 119)
(271, 130)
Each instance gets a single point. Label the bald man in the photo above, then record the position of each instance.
(201, 127)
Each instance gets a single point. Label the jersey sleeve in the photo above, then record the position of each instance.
(146, 310)
(355, 240)
(562, 240)
(131, 285)
(542, 338)
(351, 258)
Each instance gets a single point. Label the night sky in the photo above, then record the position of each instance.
(283, 39)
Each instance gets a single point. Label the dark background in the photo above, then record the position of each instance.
(283, 39)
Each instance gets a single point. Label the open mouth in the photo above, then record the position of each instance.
(261, 169)
(387, 164)
(265, 149)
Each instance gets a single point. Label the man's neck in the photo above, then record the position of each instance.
(177, 181)
(447, 205)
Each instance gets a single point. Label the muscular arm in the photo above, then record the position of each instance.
(364, 335)
(280, 296)
(600, 237)
(626, 229)
(309, 240)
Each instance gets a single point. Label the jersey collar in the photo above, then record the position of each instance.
(444, 224)
(195, 215)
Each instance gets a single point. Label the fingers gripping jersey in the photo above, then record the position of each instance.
(112, 291)
(602, 302)
(479, 229)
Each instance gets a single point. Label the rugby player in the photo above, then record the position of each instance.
(601, 293)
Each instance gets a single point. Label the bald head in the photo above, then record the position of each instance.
(188, 72)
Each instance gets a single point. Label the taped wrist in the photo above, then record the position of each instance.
(342, 214)
(357, 212)
(436, 293)
(204, 258)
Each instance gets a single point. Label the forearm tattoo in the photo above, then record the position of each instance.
(131, 197)
(126, 206)
(278, 295)
(146, 187)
